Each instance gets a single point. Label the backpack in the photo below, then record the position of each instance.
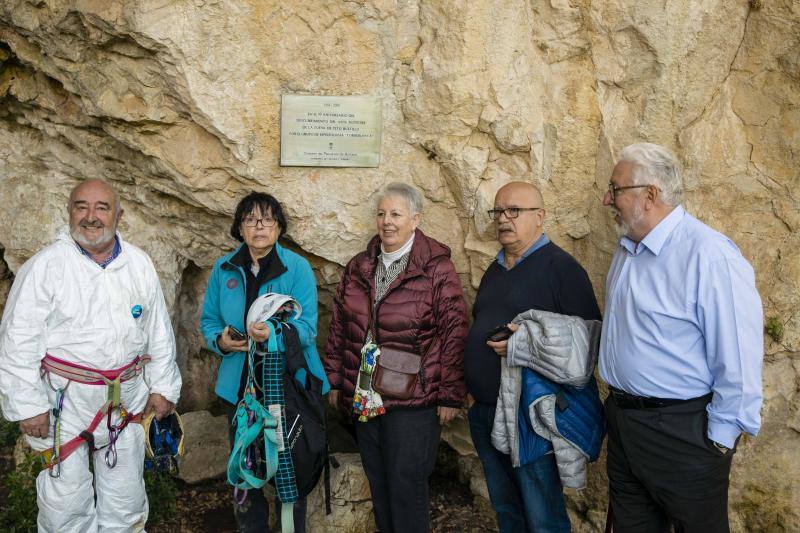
(306, 425)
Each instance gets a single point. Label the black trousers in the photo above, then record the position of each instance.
(664, 472)
(252, 516)
(398, 451)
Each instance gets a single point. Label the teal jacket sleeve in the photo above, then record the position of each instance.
(211, 323)
(304, 290)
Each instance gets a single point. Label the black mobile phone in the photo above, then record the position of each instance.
(235, 334)
(500, 333)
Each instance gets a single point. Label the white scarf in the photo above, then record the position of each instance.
(390, 257)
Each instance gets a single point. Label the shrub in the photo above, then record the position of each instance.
(19, 510)
(774, 328)
(9, 433)
(162, 496)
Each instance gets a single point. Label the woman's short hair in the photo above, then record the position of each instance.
(655, 165)
(408, 192)
(257, 201)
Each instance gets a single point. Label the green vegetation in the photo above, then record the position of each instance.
(774, 328)
(162, 496)
(19, 510)
(9, 433)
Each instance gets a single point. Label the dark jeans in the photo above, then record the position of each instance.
(253, 515)
(664, 472)
(398, 451)
(528, 498)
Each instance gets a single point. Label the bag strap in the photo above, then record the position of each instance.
(371, 318)
(294, 357)
(371, 325)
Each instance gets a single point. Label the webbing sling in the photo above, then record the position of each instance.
(274, 366)
(89, 376)
(253, 420)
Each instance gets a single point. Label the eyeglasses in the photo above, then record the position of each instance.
(252, 222)
(509, 212)
(613, 189)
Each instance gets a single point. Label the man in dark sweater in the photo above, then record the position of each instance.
(530, 272)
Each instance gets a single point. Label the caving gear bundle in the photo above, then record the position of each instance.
(163, 443)
(280, 424)
(113, 379)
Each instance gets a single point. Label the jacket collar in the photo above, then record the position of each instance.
(655, 240)
(422, 252)
(240, 260)
(118, 261)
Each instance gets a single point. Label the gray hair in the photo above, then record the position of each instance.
(405, 191)
(655, 165)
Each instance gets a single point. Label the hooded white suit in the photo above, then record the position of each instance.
(64, 304)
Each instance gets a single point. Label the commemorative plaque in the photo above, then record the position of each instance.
(330, 131)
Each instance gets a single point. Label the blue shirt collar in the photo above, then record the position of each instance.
(541, 241)
(114, 254)
(654, 241)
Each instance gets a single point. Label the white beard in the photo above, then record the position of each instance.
(624, 229)
(105, 238)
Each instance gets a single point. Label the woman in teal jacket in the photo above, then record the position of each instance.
(258, 266)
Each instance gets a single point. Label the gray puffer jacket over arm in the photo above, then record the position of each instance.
(562, 349)
(559, 347)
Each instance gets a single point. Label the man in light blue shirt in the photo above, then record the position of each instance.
(682, 350)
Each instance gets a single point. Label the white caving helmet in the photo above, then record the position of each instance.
(275, 305)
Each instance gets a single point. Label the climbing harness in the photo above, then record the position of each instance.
(163, 443)
(113, 379)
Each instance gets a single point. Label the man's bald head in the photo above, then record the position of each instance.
(521, 217)
(521, 191)
(95, 185)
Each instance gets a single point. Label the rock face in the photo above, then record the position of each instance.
(351, 504)
(178, 104)
(206, 447)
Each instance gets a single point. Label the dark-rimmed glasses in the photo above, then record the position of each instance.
(509, 212)
(613, 189)
(252, 222)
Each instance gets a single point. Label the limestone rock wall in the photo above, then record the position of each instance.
(177, 103)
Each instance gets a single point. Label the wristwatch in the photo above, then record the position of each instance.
(720, 447)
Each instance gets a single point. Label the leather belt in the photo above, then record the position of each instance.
(625, 400)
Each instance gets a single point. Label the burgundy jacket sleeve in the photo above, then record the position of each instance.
(335, 346)
(451, 328)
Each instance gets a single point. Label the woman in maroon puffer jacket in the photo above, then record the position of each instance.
(418, 306)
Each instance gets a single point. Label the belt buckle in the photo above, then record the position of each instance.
(619, 397)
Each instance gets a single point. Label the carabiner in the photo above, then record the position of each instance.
(55, 469)
(239, 500)
(111, 456)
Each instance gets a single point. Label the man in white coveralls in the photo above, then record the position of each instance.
(83, 318)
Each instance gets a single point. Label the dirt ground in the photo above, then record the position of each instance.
(209, 508)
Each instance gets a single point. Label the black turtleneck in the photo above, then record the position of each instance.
(269, 267)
